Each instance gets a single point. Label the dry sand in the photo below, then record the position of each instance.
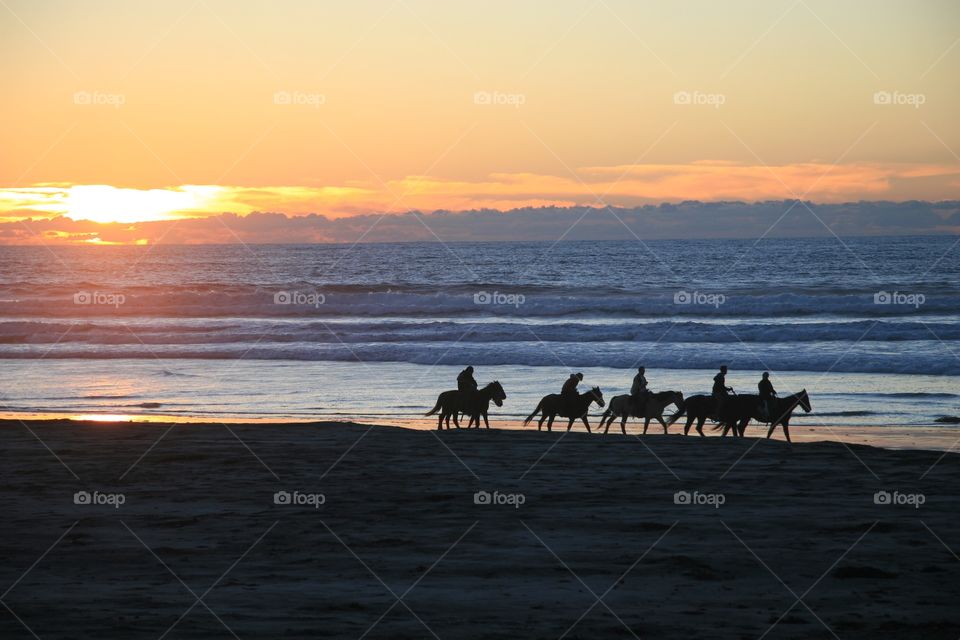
(598, 549)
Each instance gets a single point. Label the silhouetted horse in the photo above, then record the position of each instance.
(699, 408)
(452, 403)
(622, 407)
(739, 410)
(553, 405)
(480, 403)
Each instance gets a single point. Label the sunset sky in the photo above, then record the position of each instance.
(131, 112)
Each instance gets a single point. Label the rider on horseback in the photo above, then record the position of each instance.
(720, 388)
(569, 393)
(465, 381)
(767, 394)
(638, 391)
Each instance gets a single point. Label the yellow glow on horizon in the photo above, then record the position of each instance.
(104, 203)
(104, 215)
(103, 417)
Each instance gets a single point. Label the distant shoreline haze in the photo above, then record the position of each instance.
(684, 220)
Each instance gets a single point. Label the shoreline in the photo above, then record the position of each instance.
(943, 438)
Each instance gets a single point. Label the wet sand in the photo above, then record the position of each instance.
(350, 531)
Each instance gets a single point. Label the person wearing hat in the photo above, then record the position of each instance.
(638, 391)
(767, 394)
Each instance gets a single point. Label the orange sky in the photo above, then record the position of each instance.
(132, 111)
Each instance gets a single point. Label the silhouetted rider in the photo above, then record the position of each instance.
(638, 391)
(465, 381)
(767, 394)
(569, 393)
(720, 388)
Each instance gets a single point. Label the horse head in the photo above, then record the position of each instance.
(597, 395)
(804, 400)
(498, 395)
(677, 398)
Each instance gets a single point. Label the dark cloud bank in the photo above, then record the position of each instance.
(788, 218)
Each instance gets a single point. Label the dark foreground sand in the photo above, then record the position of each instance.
(598, 549)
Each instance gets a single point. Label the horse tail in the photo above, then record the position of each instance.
(681, 409)
(530, 417)
(435, 408)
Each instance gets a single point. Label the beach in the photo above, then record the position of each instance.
(349, 530)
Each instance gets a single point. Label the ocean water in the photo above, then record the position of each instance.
(869, 326)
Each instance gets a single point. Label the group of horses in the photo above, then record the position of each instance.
(732, 414)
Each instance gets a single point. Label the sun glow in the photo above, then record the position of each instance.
(103, 417)
(108, 204)
(103, 203)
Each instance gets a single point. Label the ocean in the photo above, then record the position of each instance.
(869, 326)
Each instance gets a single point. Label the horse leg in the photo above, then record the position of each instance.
(585, 423)
(786, 429)
(485, 421)
(660, 418)
(570, 424)
(742, 427)
(607, 428)
(440, 422)
(456, 421)
(700, 422)
(623, 424)
(646, 423)
(773, 425)
(540, 423)
(686, 427)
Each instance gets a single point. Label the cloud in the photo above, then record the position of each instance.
(622, 186)
(690, 219)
